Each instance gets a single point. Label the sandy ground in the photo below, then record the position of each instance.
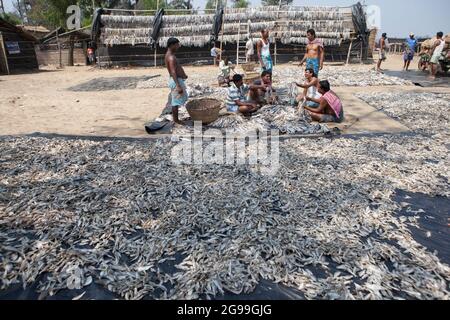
(41, 102)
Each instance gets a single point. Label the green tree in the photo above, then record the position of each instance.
(211, 4)
(276, 2)
(11, 18)
(240, 3)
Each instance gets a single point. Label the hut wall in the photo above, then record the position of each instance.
(125, 55)
(50, 56)
(126, 39)
(26, 58)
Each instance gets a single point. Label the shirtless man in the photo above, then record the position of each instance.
(315, 53)
(437, 49)
(178, 95)
(382, 52)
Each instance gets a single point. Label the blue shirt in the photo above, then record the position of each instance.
(412, 43)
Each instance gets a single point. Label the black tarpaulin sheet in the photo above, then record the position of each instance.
(217, 25)
(157, 24)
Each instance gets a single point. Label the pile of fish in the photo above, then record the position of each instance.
(120, 215)
(423, 112)
(340, 76)
(284, 118)
(158, 82)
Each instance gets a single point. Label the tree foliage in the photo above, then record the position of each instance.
(240, 3)
(211, 4)
(276, 2)
(11, 18)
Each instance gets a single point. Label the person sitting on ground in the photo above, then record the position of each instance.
(424, 57)
(238, 98)
(225, 68)
(266, 94)
(309, 89)
(330, 106)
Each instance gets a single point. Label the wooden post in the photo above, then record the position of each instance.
(71, 49)
(349, 52)
(3, 54)
(223, 23)
(156, 45)
(275, 53)
(59, 49)
(362, 47)
(238, 43)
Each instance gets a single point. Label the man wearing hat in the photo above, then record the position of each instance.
(410, 50)
(178, 94)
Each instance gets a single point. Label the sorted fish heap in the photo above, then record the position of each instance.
(424, 112)
(122, 216)
(200, 90)
(341, 76)
(289, 120)
(158, 82)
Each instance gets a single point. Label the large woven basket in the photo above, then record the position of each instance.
(249, 67)
(251, 77)
(205, 110)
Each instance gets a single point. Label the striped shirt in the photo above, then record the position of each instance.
(235, 94)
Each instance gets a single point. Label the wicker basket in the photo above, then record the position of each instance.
(249, 67)
(205, 110)
(251, 77)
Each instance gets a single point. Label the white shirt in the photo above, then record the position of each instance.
(439, 48)
(250, 47)
(265, 50)
(224, 69)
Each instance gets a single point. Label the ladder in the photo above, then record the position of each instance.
(241, 49)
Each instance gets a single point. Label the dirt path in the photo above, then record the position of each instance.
(42, 102)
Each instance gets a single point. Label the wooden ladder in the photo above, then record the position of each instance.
(241, 48)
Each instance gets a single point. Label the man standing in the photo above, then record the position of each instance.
(410, 50)
(437, 49)
(263, 47)
(178, 95)
(250, 51)
(315, 53)
(382, 52)
(216, 53)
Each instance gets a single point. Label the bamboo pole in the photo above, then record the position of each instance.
(349, 51)
(59, 49)
(221, 39)
(3, 49)
(156, 48)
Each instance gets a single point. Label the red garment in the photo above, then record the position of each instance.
(334, 102)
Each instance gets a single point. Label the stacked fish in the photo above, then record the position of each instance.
(121, 218)
(341, 76)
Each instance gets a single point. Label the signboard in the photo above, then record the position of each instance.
(12, 47)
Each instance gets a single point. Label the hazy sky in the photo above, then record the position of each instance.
(398, 17)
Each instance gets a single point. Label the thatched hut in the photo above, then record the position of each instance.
(126, 39)
(17, 52)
